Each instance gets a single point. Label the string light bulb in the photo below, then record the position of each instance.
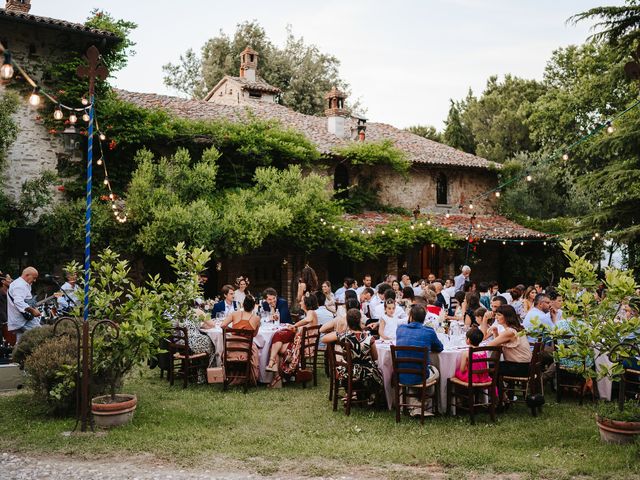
(565, 156)
(396, 230)
(112, 196)
(106, 181)
(484, 240)
(428, 222)
(113, 205)
(504, 243)
(382, 232)
(73, 118)
(413, 227)
(521, 243)
(471, 206)
(497, 194)
(529, 178)
(6, 71)
(432, 245)
(596, 235)
(102, 136)
(99, 162)
(84, 101)
(85, 117)
(544, 243)
(610, 128)
(34, 99)
(447, 215)
(57, 113)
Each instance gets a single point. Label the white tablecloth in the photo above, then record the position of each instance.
(445, 361)
(262, 341)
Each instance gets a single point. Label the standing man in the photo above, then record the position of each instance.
(22, 317)
(459, 281)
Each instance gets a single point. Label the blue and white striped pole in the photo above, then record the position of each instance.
(87, 218)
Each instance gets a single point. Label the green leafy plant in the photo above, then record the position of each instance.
(374, 154)
(596, 325)
(629, 413)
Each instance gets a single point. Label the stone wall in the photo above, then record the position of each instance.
(419, 187)
(35, 48)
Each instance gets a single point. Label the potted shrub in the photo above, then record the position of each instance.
(140, 312)
(599, 327)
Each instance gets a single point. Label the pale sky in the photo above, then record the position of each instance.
(404, 59)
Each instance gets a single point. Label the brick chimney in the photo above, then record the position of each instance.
(19, 6)
(335, 112)
(249, 64)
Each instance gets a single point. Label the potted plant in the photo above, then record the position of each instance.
(599, 327)
(140, 313)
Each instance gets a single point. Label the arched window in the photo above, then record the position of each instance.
(341, 182)
(442, 192)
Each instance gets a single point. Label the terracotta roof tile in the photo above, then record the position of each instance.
(490, 227)
(78, 27)
(418, 149)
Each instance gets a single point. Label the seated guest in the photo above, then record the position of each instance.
(348, 284)
(329, 300)
(479, 314)
(540, 313)
(416, 334)
(517, 302)
(245, 319)
(456, 304)
(407, 296)
(515, 347)
(397, 289)
(227, 305)
(323, 313)
(472, 303)
(339, 323)
(276, 305)
(348, 295)
(380, 309)
(378, 299)
(389, 321)
(363, 353)
(474, 338)
(441, 301)
(282, 338)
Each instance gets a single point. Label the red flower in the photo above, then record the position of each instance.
(61, 188)
(53, 131)
(112, 145)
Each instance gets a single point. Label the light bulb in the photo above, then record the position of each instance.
(478, 225)
(504, 243)
(565, 157)
(447, 215)
(396, 230)
(57, 113)
(521, 243)
(498, 194)
(112, 196)
(413, 227)
(529, 178)
(84, 101)
(382, 232)
(544, 243)
(34, 99)
(113, 205)
(106, 181)
(596, 235)
(432, 245)
(341, 229)
(73, 118)
(609, 128)
(99, 162)
(85, 117)
(333, 226)
(428, 222)
(484, 241)
(102, 137)
(6, 71)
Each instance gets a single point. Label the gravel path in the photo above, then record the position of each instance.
(28, 467)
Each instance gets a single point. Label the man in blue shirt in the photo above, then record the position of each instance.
(227, 305)
(415, 334)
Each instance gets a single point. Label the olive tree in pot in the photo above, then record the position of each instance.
(600, 327)
(140, 315)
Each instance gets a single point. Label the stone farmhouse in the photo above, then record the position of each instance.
(440, 179)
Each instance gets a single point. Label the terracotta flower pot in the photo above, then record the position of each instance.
(615, 431)
(108, 413)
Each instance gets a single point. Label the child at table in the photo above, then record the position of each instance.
(388, 321)
(474, 337)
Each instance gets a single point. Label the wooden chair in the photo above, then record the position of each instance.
(236, 358)
(457, 388)
(309, 353)
(567, 379)
(415, 363)
(630, 384)
(529, 385)
(179, 352)
(354, 392)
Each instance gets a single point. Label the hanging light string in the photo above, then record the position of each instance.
(562, 153)
(6, 73)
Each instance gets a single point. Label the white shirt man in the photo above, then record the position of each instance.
(17, 295)
(323, 315)
(460, 280)
(366, 282)
(70, 288)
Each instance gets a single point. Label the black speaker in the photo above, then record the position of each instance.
(22, 242)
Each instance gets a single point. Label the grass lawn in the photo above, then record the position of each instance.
(295, 431)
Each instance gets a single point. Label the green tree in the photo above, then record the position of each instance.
(457, 131)
(427, 131)
(619, 25)
(301, 71)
